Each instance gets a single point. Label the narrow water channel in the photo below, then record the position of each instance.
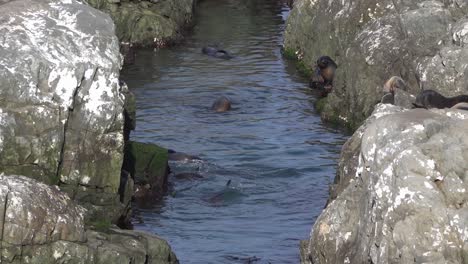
(272, 145)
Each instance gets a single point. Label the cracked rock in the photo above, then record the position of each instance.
(400, 195)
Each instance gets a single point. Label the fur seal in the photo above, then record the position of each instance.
(394, 83)
(395, 93)
(432, 99)
(222, 104)
(217, 53)
(390, 87)
(461, 106)
(188, 176)
(179, 156)
(324, 73)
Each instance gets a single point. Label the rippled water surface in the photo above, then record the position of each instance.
(272, 145)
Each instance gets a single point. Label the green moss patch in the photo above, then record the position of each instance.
(147, 163)
(100, 225)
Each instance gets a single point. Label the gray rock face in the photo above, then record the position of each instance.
(401, 192)
(424, 42)
(61, 108)
(40, 224)
(62, 124)
(148, 23)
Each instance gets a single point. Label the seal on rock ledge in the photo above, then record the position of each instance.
(324, 73)
(432, 99)
(461, 106)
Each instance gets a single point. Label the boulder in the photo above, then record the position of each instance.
(424, 42)
(400, 195)
(148, 23)
(41, 224)
(148, 166)
(61, 111)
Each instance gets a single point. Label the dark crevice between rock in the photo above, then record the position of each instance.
(65, 126)
(3, 221)
(127, 173)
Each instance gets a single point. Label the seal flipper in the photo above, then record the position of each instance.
(415, 105)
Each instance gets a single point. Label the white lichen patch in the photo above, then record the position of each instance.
(373, 39)
(404, 195)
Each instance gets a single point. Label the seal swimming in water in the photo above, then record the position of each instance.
(217, 53)
(188, 176)
(222, 104)
(324, 73)
(179, 156)
(432, 99)
(219, 197)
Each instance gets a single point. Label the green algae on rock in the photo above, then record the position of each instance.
(148, 166)
(148, 23)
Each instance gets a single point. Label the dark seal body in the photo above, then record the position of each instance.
(217, 53)
(432, 99)
(323, 75)
(222, 104)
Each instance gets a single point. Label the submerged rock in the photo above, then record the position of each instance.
(400, 195)
(424, 42)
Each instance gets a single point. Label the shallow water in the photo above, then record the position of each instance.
(272, 145)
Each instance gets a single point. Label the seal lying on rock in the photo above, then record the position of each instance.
(395, 93)
(432, 99)
(222, 104)
(179, 156)
(394, 83)
(461, 106)
(217, 53)
(390, 87)
(324, 73)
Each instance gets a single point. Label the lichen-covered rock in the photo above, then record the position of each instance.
(401, 192)
(40, 224)
(61, 107)
(148, 23)
(148, 166)
(424, 42)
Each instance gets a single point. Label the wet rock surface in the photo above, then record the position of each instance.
(424, 42)
(400, 193)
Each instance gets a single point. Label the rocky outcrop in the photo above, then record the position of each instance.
(148, 23)
(41, 224)
(400, 195)
(424, 42)
(62, 127)
(61, 108)
(147, 164)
